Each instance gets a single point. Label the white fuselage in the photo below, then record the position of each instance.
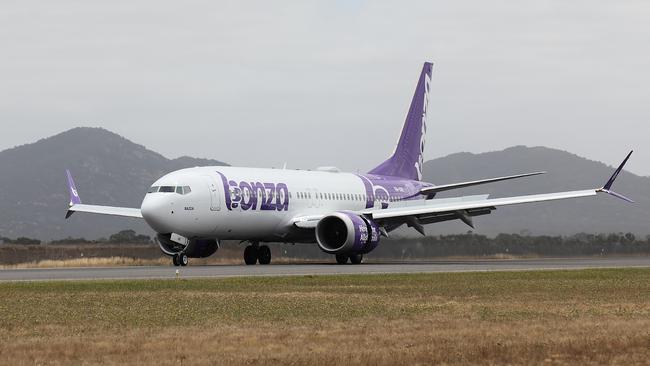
(249, 203)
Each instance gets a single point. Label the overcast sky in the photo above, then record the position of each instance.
(319, 83)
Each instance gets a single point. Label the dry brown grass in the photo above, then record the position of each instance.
(560, 317)
(129, 261)
(88, 262)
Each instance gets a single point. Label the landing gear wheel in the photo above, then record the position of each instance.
(183, 260)
(175, 261)
(356, 258)
(341, 259)
(264, 254)
(250, 255)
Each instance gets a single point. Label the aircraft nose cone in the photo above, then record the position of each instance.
(156, 211)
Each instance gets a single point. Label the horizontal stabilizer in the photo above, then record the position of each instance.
(447, 187)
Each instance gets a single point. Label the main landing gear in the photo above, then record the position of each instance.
(354, 258)
(180, 259)
(257, 253)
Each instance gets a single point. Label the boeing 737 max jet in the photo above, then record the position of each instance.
(345, 214)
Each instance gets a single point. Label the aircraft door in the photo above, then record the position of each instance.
(215, 200)
(317, 201)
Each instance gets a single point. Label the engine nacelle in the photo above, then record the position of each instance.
(347, 233)
(197, 248)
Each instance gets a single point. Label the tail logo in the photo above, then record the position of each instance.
(420, 160)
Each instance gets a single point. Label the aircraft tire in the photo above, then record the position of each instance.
(264, 254)
(250, 255)
(356, 258)
(342, 259)
(175, 261)
(183, 260)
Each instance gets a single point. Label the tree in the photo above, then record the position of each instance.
(129, 236)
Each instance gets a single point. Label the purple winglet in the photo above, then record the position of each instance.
(74, 195)
(617, 195)
(607, 188)
(611, 180)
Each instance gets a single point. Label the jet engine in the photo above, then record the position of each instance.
(196, 248)
(347, 233)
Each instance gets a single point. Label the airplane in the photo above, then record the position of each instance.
(192, 210)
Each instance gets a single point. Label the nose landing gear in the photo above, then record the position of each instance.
(255, 253)
(180, 259)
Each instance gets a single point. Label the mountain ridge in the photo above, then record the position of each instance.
(112, 170)
(108, 169)
(565, 172)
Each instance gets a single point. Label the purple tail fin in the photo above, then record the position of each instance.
(406, 161)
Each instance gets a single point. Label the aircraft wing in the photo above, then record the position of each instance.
(416, 216)
(105, 210)
(431, 211)
(77, 206)
(461, 208)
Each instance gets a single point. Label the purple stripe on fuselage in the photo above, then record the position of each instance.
(368, 186)
(385, 188)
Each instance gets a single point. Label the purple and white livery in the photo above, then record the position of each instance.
(344, 214)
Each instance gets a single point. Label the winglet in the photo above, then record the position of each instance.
(607, 188)
(74, 195)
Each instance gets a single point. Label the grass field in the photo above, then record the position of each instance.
(546, 317)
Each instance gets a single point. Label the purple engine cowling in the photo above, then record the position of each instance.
(345, 232)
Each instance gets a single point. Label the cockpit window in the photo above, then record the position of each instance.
(170, 189)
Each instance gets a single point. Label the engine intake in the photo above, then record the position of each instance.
(197, 248)
(347, 233)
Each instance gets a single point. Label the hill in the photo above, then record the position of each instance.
(108, 169)
(112, 170)
(566, 172)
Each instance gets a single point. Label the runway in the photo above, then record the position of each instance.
(222, 271)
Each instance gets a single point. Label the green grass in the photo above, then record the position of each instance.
(319, 298)
(599, 316)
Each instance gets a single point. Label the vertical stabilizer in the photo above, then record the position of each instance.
(406, 161)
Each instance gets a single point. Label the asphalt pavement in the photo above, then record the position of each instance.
(222, 271)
